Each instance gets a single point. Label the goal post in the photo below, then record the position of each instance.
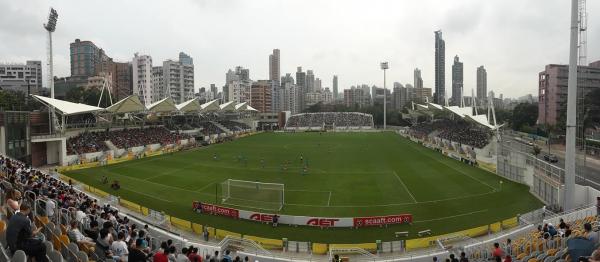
(253, 194)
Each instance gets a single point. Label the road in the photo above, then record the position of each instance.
(586, 175)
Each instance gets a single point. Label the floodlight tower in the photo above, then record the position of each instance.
(571, 111)
(384, 66)
(51, 27)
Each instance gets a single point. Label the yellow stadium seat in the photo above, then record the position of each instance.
(551, 252)
(521, 256)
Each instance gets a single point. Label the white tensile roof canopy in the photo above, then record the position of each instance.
(163, 106)
(129, 104)
(210, 106)
(481, 120)
(67, 108)
(229, 106)
(191, 105)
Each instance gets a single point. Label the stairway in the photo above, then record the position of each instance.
(111, 146)
(222, 127)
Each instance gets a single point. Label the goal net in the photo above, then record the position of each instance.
(265, 196)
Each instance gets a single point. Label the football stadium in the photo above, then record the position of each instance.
(319, 185)
(135, 161)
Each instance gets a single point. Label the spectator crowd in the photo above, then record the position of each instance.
(88, 142)
(337, 119)
(101, 230)
(455, 131)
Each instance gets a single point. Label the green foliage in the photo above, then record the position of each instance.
(524, 115)
(88, 96)
(536, 150)
(17, 101)
(592, 109)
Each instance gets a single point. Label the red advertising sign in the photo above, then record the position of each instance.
(220, 211)
(382, 220)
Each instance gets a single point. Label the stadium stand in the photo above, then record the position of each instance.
(338, 120)
(234, 126)
(74, 226)
(453, 130)
(88, 142)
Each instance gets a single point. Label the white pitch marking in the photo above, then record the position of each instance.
(444, 218)
(406, 188)
(329, 199)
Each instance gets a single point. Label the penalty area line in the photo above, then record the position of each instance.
(206, 186)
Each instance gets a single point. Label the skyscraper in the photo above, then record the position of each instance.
(310, 81)
(440, 71)
(481, 84)
(274, 66)
(335, 88)
(457, 81)
(417, 80)
(300, 87)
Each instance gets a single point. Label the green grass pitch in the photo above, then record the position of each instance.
(350, 174)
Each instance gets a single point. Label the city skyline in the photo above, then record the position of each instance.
(486, 36)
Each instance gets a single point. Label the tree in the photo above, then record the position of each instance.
(524, 116)
(536, 150)
(592, 109)
(88, 96)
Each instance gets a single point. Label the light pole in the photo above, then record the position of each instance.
(384, 66)
(51, 27)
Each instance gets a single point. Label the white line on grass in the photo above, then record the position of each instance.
(151, 196)
(448, 217)
(406, 188)
(460, 171)
(164, 185)
(205, 187)
(310, 191)
(398, 204)
(329, 199)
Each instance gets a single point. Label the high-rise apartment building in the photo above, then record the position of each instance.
(142, 78)
(26, 77)
(261, 95)
(553, 85)
(457, 81)
(239, 91)
(310, 81)
(356, 97)
(440, 69)
(417, 80)
(185, 59)
(122, 80)
(481, 84)
(301, 87)
(158, 83)
(179, 80)
(87, 59)
(274, 66)
(318, 85)
(335, 88)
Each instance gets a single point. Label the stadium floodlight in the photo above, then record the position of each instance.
(52, 18)
(51, 27)
(384, 66)
(252, 194)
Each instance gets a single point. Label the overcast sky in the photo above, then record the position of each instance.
(513, 39)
